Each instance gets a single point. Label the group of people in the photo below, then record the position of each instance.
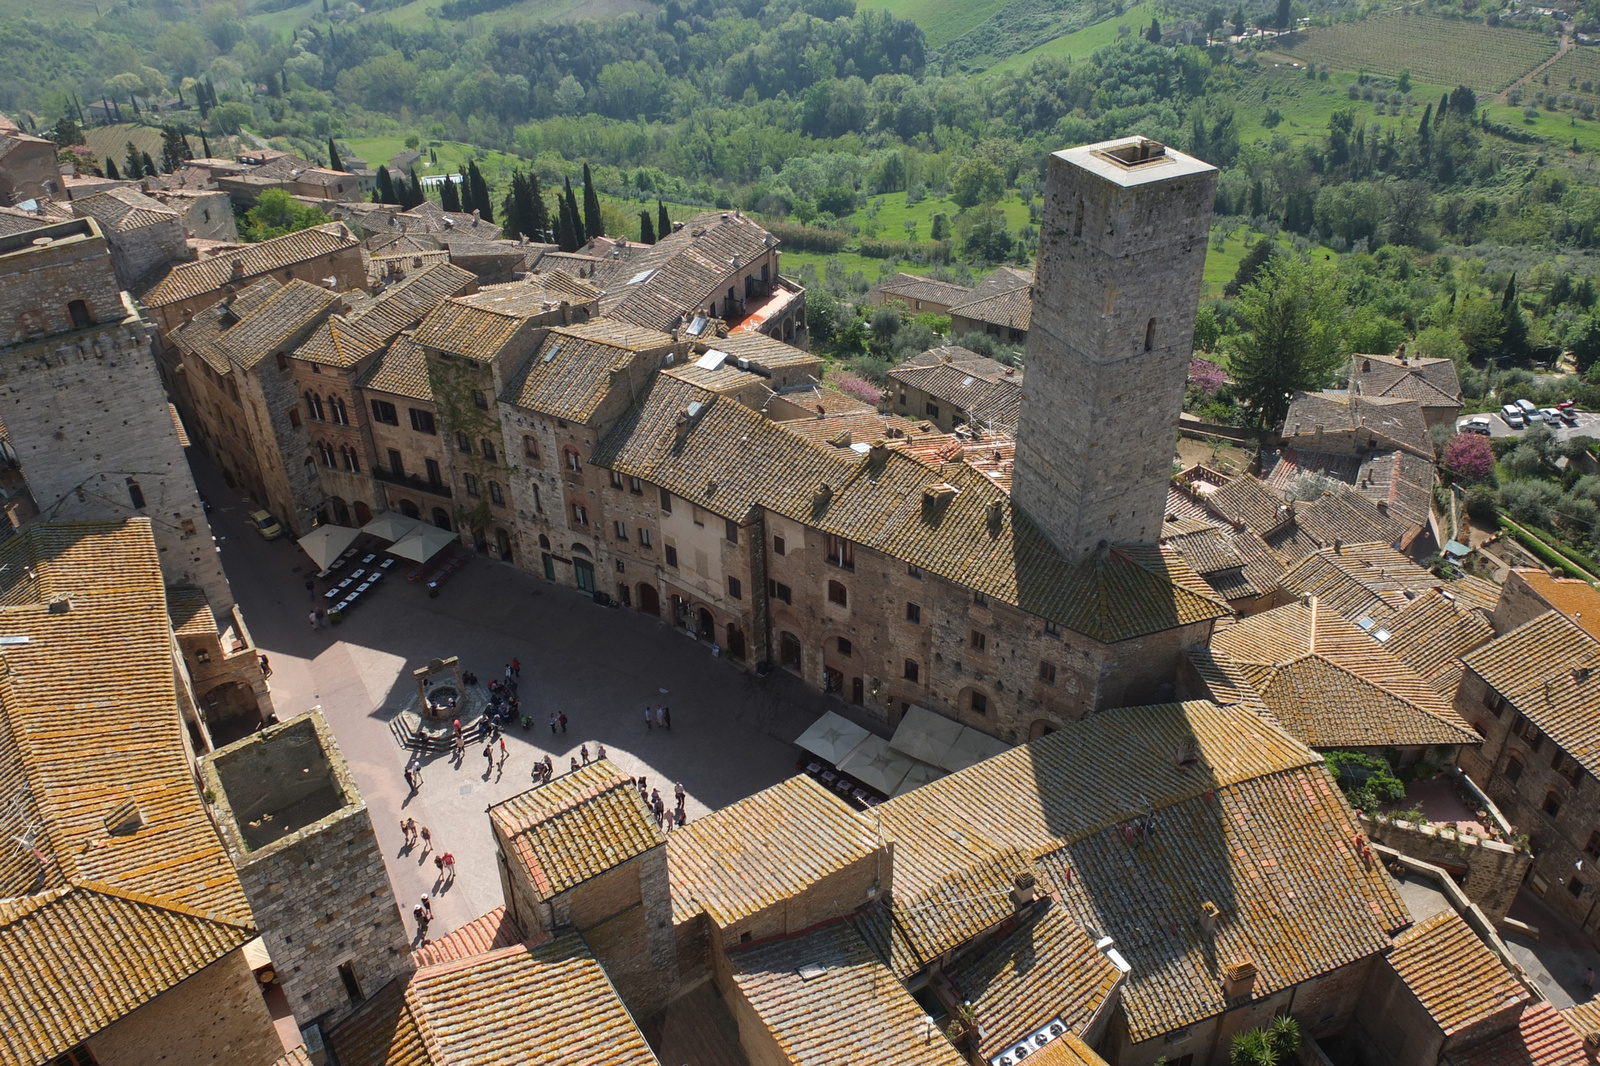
(653, 800)
(660, 716)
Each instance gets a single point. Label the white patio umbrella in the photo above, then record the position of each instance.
(926, 736)
(325, 543)
(920, 774)
(875, 764)
(390, 526)
(971, 748)
(831, 737)
(422, 543)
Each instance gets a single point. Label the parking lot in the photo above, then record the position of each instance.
(1588, 426)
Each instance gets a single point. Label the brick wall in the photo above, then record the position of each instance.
(836, 895)
(415, 449)
(1492, 871)
(344, 465)
(217, 1015)
(1396, 1023)
(140, 251)
(1519, 603)
(638, 946)
(37, 284)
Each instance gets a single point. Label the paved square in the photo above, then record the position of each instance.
(730, 731)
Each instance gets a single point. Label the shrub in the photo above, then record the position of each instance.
(1482, 505)
(1205, 377)
(1530, 501)
(1523, 461)
(1468, 457)
(857, 386)
(1367, 780)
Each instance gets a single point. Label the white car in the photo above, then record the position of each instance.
(1551, 416)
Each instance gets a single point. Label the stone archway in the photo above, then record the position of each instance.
(409, 509)
(341, 510)
(649, 599)
(707, 625)
(441, 518)
(363, 513)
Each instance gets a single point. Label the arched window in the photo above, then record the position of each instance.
(837, 594)
(314, 406)
(336, 405)
(497, 495)
(325, 453)
(352, 461)
(1149, 334)
(573, 461)
(488, 450)
(544, 542)
(1513, 769)
(1552, 803)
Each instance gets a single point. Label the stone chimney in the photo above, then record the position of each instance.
(1025, 889)
(238, 268)
(1239, 978)
(1210, 915)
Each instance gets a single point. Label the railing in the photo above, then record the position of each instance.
(412, 481)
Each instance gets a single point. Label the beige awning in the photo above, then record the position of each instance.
(926, 736)
(919, 774)
(971, 748)
(875, 764)
(422, 543)
(325, 543)
(390, 526)
(832, 737)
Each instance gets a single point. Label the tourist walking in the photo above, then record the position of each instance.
(414, 774)
(502, 748)
(1588, 979)
(680, 818)
(666, 717)
(583, 750)
(562, 718)
(574, 768)
(661, 717)
(552, 723)
(599, 750)
(449, 862)
(649, 717)
(423, 914)
(427, 840)
(314, 620)
(516, 667)
(657, 806)
(409, 828)
(678, 794)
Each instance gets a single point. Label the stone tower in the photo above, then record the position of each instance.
(1121, 251)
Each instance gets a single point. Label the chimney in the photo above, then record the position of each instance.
(60, 605)
(474, 216)
(1210, 915)
(1239, 978)
(681, 427)
(1402, 354)
(824, 493)
(1025, 889)
(238, 268)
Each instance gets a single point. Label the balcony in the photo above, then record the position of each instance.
(412, 481)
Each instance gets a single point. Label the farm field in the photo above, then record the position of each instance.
(1082, 43)
(69, 10)
(1432, 48)
(942, 21)
(893, 214)
(414, 15)
(1307, 104)
(792, 262)
(1560, 127)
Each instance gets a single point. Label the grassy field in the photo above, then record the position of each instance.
(942, 21)
(414, 15)
(1561, 127)
(1432, 48)
(289, 19)
(1084, 42)
(453, 156)
(70, 10)
(894, 213)
(849, 261)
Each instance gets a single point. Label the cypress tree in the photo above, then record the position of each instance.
(132, 165)
(150, 170)
(1510, 298)
(133, 101)
(536, 218)
(566, 239)
(181, 104)
(205, 146)
(578, 235)
(111, 169)
(479, 198)
(334, 162)
(385, 193)
(663, 223)
(647, 229)
(449, 195)
(411, 194)
(593, 224)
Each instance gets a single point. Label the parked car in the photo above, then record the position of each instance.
(266, 525)
(1551, 416)
(1512, 414)
(1530, 411)
(1568, 411)
(1478, 424)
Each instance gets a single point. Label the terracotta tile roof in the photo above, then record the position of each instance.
(1576, 599)
(1453, 974)
(826, 999)
(1009, 310)
(1066, 1050)
(203, 334)
(987, 391)
(1248, 502)
(402, 370)
(383, 266)
(916, 287)
(78, 958)
(685, 271)
(346, 340)
(272, 325)
(577, 827)
(1432, 632)
(1398, 421)
(1542, 1038)
(534, 1005)
(190, 611)
(480, 325)
(1207, 548)
(962, 903)
(1337, 515)
(571, 372)
(764, 352)
(1049, 968)
(489, 932)
(974, 538)
(122, 210)
(1244, 816)
(340, 342)
(1393, 477)
(1549, 669)
(1370, 580)
(1327, 682)
(97, 682)
(1431, 382)
(1584, 1017)
(188, 280)
(762, 850)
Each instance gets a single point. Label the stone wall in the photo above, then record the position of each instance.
(637, 946)
(29, 170)
(1490, 871)
(836, 895)
(320, 894)
(415, 448)
(1519, 602)
(1120, 260)
(1396, 1023)
(339, 439)
(216, 1016)
(38, 284)
(207, 214)
(140, 251)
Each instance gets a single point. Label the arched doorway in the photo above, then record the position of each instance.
(1041, 728)
(341, 510)
(549, 565)
(649, 599)
(708, 625)
(409, 509)
(363, 513)
(789, 651)
(544, 542)
(583, 572)
(480, 540)
(441, 518)
(735, 642)
(502, 544)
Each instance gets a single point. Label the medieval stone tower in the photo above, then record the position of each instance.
(1121, 252)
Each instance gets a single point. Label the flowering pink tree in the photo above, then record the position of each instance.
(857, 386)
(1205, 376)
(1468, 457)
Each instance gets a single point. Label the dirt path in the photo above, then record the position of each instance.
(1567, 45)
